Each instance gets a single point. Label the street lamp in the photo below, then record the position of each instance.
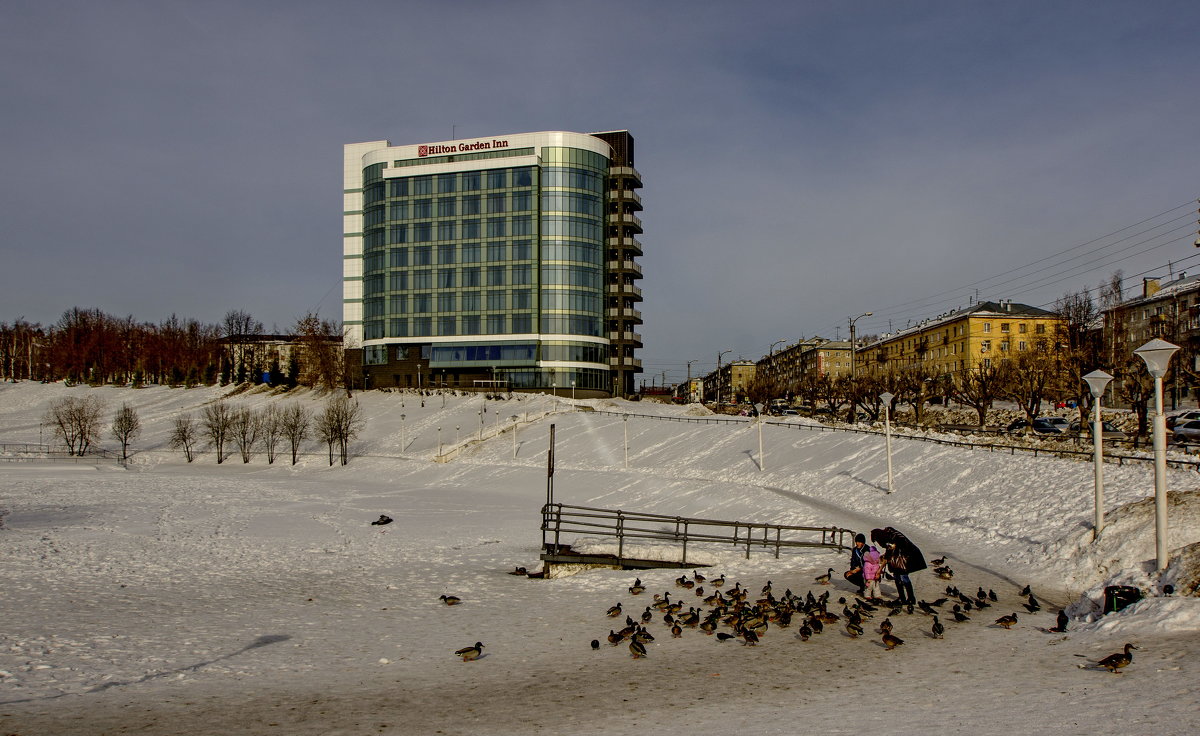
(625, 422)
(514, 419)
(1157, 354)
(439, 441)
(886, 398)
(852, 321)
(771, 350)
(719, 375)
(572, 391)
(403, 435)
(1097, 381)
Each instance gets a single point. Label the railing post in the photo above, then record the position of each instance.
(620, 537)
(685, 540)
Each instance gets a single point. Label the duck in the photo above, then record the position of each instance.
(1032, 606)
(637, 587)
(824, 579)
(643, 636)
(992, 595)
(382, 520)
(614, 638)
(885, 626)
(937, 629)
(959, 616)
(766, 589)
(722, 636)
(1061, 623)
(470, 653)
(925, 607)
(939, 561)
(749, 638)
(945, 573)
(854, 630)
(647, 615)
(804, 633)
(1007, 621)
(676, 631)
(637, 650)
(891, 641)
(614, 611)
(699, 591)
(450, 600)
(1024, 591)
(661, 604)
(519, 571)
(698, 577)
(1114, 662)
(717, 582)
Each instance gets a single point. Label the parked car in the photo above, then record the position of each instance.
(1186, 416)
(1042, 425)
(1108, 430)
(1186, 431)
(789, 412)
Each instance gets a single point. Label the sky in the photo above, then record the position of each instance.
(803, 163)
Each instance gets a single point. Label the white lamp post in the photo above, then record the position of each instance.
(625, 421)
(762, 461)
(1157, 354)
(514, 419)
(457, 438)
(572, 392)
(886, 398)
(403, 435)
(1097, 381)
(439, 441)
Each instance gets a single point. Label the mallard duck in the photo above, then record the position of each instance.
(939, 561)
(937, 629)
(766, 589)
(1007, 621)
(815, 623)
(749, 638)
(824, 579)
(699, 591)
(643, 636)
(660, 604)
(676, 631)
(382, 520)
(450, 600)
(1114, 662)
(637, 650)
(885, 626)
(698, 577)
(470, 653)
(717, 582)
(519, 571)
(853, 629)
(647, 615)
(614, 611)
(708, 626)
(945, 573)
(891, 641)
(637, 587)
(614, 638)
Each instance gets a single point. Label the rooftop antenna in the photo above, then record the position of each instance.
(453, 132)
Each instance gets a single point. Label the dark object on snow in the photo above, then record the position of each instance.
(383, 519)
(1117, 597)
(1061, 622)
(595, 644)
(519, 571)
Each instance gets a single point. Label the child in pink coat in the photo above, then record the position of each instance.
(872, 569)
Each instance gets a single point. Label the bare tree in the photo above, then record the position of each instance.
(978, 388)
(246, 426)
(326, 427)
(1077, 348)
(184, 435)
(339, 424)
(1024, 379)
(272, 430)
(295, 424)
(217, 420)
(76, 422)
(322, 363)
(125, 426)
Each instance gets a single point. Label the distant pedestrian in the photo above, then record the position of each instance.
(902, 558)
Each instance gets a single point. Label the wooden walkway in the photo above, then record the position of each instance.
(560, 521)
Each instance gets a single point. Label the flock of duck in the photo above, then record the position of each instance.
(733, 612)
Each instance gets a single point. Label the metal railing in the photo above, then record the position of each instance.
(559, 519)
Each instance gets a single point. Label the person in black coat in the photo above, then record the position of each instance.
(855, 574)
(902, 558)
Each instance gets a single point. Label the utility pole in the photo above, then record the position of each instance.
(852, 321)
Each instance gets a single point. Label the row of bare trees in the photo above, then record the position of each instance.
(77, 422)
(221, 425)
(1051, 370)
(90, 346)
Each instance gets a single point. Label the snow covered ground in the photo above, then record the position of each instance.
(176, 598)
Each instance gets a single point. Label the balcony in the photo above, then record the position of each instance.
(626, 266)
(625, 219)
(625, 362)
(623, 313)
(629, 243)
(625, 195)
(628, 290)
(626, 172)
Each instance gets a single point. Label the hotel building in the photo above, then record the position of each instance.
(506, 263)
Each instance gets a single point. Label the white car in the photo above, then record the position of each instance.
(1186, 431)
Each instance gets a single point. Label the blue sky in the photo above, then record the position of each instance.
(803, 162)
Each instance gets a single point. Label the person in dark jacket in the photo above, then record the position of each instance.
(902, 558)
(855, 573)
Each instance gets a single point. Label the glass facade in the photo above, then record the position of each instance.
(491, 258)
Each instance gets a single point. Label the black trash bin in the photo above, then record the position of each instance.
(1117, 597)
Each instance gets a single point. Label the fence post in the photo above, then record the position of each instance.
(620, 536)
(685, 540)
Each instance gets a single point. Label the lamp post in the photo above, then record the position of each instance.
(719, 375)
(439, 441)
(762, 461)
(1157, 354)
(1097, 381)
(852, 321)
(514, 419)
(457, 437)
(886, 398)
(403, 435)
(771, 350)
(572, 391)
(625, 422)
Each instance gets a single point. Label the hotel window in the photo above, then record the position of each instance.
(1021, 328)
(397, 328)
(398, 234)
(495, 324)
(445, 301)
(471, 181)
(471, 229)
(522, 201)
(446, 254)
(522, 225)
(447, 325)
(445, 278)
(422, 326)
(497, 202)
(398, 211)
(496, 252)
(496, 276)
(522, 250)
(522, 275)
(1004, 327)
(422, 185)
(470, 276)
(522, 299)
(470, 204)
(446, 207)
(422, 208)
(422, 279)
(522, 323)
(496, 227)
(422, 303)
(398, 281)
(497, 300)
(398, 304)
(1021, 346)
(470, 324)
(398, 257)
(471, 302)
(445, 230)
(423, 255)
(446, 182)
(398, 188)
(522, 177)
(1040, 329)
(497, 178)
(422, 232)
